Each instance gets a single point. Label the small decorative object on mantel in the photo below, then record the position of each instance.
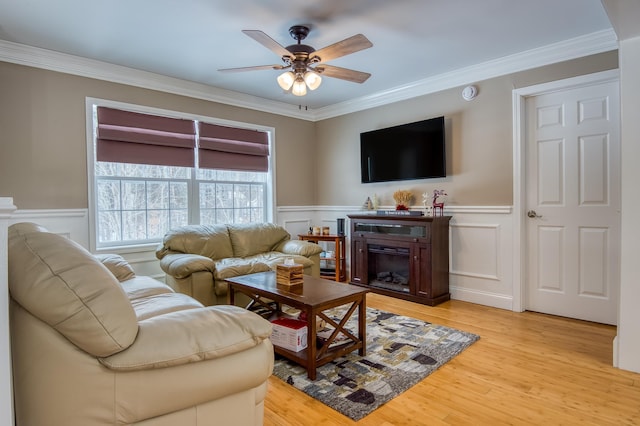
(426, 199)
(403, 199)
(368, 205)
(438, 205)
(375, 202)
(426, 203)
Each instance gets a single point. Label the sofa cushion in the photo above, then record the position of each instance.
(210, 241)
(300, 247)
(143, 286)
(160, 304)
(235, 266)
(117, 265)
(182, 265)
(274, 258)
(62, 284)
(253, 238)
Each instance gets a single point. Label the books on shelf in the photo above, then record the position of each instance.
(323, 335)
(400, 212)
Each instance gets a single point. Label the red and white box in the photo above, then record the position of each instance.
(289, 333)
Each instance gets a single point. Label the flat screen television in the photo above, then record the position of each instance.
(408, 151)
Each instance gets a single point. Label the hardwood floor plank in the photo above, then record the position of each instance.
(527, 368)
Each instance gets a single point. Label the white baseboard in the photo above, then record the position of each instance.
(500, 301)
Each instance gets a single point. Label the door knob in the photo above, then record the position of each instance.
(532, 214)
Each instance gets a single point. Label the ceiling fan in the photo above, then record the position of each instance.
(305, 65)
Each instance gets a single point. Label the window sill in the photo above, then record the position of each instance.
(139, 248)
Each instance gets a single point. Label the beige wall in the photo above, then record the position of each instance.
(43, 138)
(43, 141)
(480, 138)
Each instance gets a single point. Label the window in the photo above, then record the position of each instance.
(136, 204)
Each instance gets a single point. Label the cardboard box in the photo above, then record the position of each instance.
(289, 333)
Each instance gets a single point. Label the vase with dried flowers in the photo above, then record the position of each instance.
(403, 199)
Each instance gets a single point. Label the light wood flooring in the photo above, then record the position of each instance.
(527, 368)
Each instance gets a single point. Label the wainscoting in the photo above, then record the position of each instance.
(480, 250)
(481, 244)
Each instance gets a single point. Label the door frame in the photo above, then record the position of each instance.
(520, 241)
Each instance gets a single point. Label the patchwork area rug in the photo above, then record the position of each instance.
(401, 351)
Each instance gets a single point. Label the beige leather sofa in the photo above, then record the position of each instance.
(94, 344)
(198, 258)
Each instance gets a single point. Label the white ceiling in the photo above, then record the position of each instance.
(413, 40)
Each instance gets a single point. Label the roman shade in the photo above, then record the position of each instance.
(231, 148)
(131, 137)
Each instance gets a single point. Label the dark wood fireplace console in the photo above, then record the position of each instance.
(401, 256)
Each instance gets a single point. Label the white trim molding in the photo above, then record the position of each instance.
(84, 67)
(6, 382)
(590, 44)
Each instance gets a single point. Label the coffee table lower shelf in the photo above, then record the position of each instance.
(301, 357)
(316, 296)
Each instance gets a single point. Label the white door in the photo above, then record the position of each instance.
(573, 202)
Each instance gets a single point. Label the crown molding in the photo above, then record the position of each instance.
(598, 42)
(69, 64)
(591, 44)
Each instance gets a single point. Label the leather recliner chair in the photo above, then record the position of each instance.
(94, 344)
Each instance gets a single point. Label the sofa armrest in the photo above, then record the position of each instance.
(117, 265)
(299, 247)
(181, 265)
(191, 335)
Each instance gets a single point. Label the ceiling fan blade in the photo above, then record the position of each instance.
(256, 68)
(345, 47)
(268, 42)
(342, 73)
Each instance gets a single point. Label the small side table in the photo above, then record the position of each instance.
(340, 270)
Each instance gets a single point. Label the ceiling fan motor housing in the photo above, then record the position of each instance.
(299, 32)
(301, 52)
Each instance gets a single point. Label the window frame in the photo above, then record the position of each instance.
(92, 103)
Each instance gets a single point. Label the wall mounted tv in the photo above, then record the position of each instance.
(408, 151)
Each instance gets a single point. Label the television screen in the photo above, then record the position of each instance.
(408, 151)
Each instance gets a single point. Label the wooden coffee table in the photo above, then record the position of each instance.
(316, 296)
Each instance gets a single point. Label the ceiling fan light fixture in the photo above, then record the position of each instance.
(286, 79)
(305, 63)
(312, 79)
(299, 87)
